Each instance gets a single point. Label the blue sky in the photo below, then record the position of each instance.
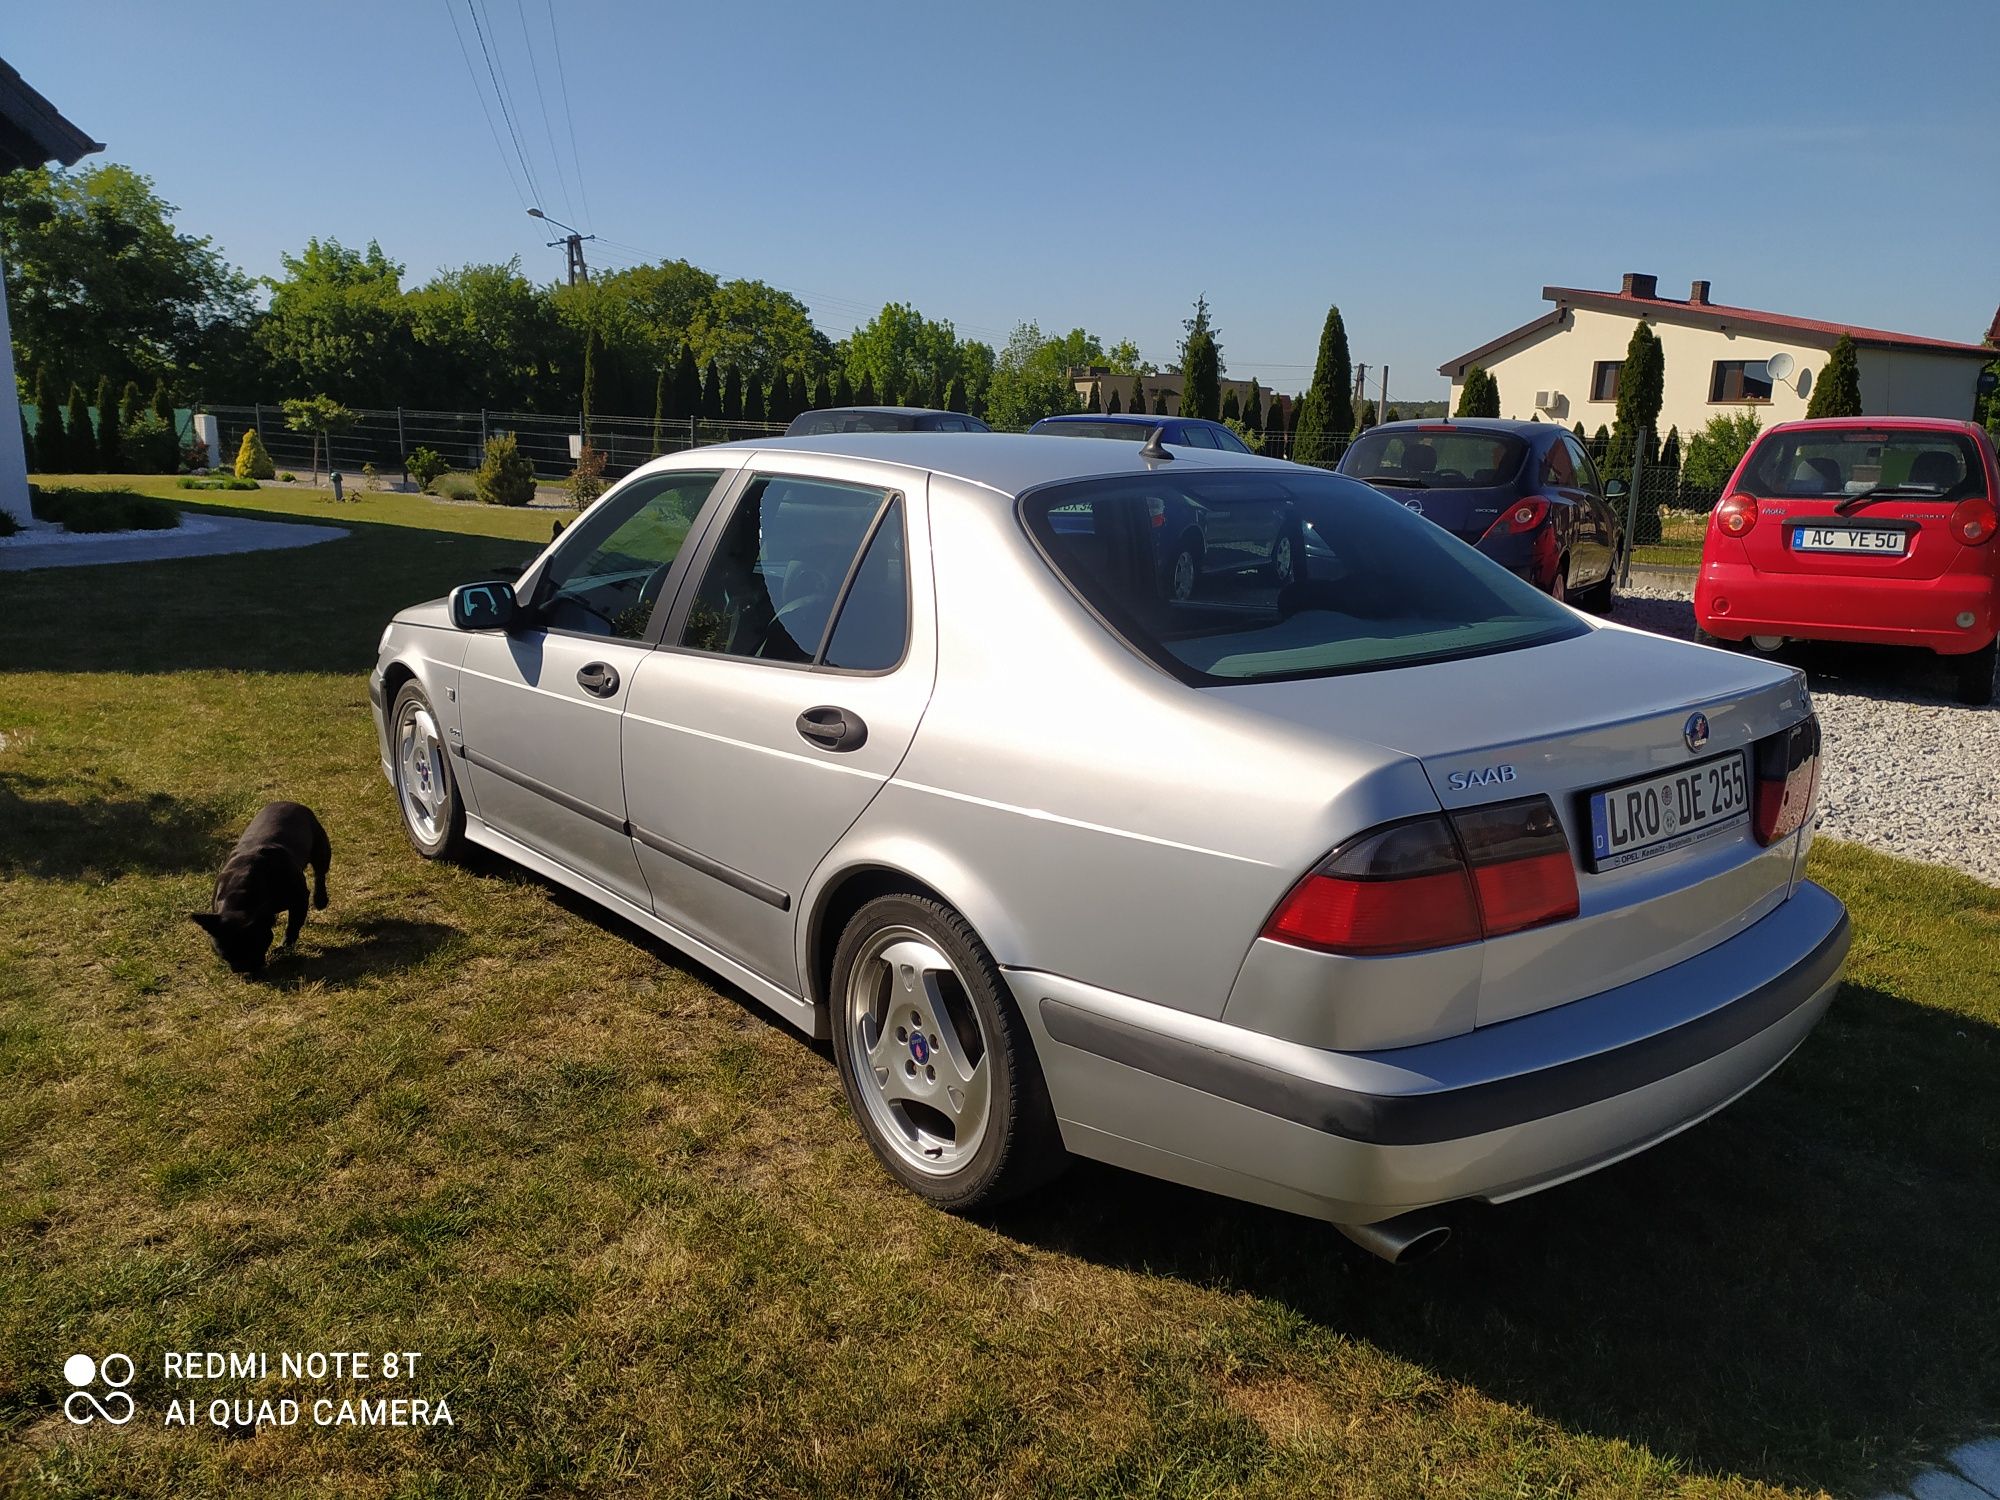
(1428, 168)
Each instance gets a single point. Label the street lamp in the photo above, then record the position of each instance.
(572, 242)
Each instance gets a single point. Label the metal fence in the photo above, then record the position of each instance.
(386, 439)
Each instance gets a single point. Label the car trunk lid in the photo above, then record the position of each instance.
(1566, 719)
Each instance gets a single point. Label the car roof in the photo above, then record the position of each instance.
(1879, 424)
(1129, 418)
(1472, 424)
(1009, 462)
(899, 411)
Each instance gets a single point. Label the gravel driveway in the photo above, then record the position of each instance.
(1908, 771)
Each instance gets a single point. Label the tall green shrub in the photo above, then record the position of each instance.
(1715, 451)
(506, 477)
(732, 395)
(1201, 366)
(1478, 394)
(1325, 415)
(711, 393)
(1094, 404)
(1641, 387)
(130, 404)
(1837, 392)
(1112, 405)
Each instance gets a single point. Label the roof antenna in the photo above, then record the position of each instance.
(1153, 448)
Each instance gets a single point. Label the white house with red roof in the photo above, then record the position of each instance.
(1563, 366)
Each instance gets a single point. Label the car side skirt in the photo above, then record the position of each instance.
(799, 1012)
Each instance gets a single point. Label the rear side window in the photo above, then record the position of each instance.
(875, 616)
(1197, 437)
(776, 576)
(1435, 458)
(1360, 583)
(1839, 463)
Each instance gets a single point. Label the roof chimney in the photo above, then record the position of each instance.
(1637, 285)
(1698, 294)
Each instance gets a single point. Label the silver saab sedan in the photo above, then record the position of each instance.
(1356, 888)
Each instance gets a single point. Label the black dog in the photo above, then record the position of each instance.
(264, 875)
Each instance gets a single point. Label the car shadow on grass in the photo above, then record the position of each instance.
(64, 837)
(1802, 1290)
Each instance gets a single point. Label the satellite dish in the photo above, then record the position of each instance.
(1780, 366)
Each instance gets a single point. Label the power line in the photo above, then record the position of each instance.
(542, 103)
(569, 119)
(500, 93)
(492, 129)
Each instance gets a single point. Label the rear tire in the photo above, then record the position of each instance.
(1975, 675)
(1597, 598)
(1184, 572)
(936, 1060)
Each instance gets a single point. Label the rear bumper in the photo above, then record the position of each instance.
(1919, 612)
(1506, 1109)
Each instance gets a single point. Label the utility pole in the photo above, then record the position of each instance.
(572, 244)
(1382, 411)
(1360, 388)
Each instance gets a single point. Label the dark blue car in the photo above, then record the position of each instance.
(1133, 427)
(1524, 493)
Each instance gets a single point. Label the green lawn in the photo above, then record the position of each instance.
(627, 1222)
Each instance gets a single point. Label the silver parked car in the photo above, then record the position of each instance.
(1355, 888)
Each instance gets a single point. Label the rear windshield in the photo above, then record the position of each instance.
(1843, 462)
(1440, 458)
(1131, 431)
(820, 423)
(1253, 576)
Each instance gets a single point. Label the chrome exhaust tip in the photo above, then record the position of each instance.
(1404, 1239)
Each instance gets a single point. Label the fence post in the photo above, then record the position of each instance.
(402, 446)
(482, 429)
(1632, 504)
(691, 442)
(257, 416)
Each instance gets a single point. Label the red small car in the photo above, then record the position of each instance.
(1875, 529)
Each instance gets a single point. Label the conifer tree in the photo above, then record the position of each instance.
(823, 394)
(51, 442)
(82, 436)
(1837, 392)
(1160, 401)
(1112, 406)
(843, 391)
(1093, 404)
(1253, 409)
(732, 395)
(711, 393)
(1325, 415)
(1201, 364)
(660, 384)
(866, 395)
(1232, 411)
(687, 385)
(110, 439)
(130, 404)
(954, 394)
(753, 399)
(163, 404)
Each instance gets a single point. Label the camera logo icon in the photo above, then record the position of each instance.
(83, 1406)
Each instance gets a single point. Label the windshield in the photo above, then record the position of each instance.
(1253, 576)
(1135, 432)
(1435, 458)
(1842, 462)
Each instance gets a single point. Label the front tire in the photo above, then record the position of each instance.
(427, 797)
(1975, 675)
(936, 1060)
(1184, 573)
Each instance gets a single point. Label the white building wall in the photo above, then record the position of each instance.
(13, 461)
(1560, 359)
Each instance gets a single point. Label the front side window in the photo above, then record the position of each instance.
(1740, 380)
(1366, 585)
(1604, 379)
(609, 572)
(1844, 462)
(779, 568)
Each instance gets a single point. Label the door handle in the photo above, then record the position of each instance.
(598, 678)
(829, 728)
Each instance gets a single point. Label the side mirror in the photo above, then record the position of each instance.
(484, 606)
(1616, 489)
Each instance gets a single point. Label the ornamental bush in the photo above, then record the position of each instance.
(425, 465)
(252, 462)
(506, 478)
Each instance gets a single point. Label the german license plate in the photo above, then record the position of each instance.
(1659, 814)
(1848, 539)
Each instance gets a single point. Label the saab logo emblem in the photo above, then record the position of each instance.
(1465, 781)
(1696, 732)
(919, 1048)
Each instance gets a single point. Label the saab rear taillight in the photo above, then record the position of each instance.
(1434, 882)
(1972, 521)
(1736, 515)
(1787, 779)
(1520, 518)
(1157, 511)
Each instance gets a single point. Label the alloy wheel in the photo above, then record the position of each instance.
(420, 773)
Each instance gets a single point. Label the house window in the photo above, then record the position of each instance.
(1740, 380)
(1604, 379)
